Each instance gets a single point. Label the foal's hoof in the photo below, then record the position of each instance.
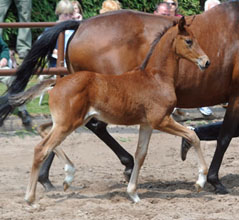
(127, 174)
(29, 201)
(185, 146)
(65, 185)
(134, 197)
(198, 187)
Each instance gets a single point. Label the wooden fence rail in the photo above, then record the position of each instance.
(59, 69)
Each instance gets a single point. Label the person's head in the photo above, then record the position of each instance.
(64, 10)
(162, 9)
(78, 12)
(210, 4)
(173, 4)
(110, 5)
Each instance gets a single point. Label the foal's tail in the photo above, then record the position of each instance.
(21, 98)
(35, 60)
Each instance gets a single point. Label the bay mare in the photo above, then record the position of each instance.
(144, 96)
(109, 44)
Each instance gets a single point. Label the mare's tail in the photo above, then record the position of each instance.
(35, 60)
(21, 98)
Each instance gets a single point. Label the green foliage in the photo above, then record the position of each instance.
(33, 107)
(189, 7)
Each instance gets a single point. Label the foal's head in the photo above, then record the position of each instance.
(186, 46)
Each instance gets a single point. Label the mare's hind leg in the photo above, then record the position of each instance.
(172, 127)
(41, 152)
(99, 128)
(43, 177)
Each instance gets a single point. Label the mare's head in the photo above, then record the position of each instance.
(186, 46)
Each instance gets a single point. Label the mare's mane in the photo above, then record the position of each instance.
(154, 43)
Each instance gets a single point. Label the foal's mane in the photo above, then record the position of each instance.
(154, 43)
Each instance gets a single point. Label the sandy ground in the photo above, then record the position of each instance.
(166, 184)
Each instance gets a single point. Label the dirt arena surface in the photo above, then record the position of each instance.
(166, 184)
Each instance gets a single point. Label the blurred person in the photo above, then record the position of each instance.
(210, 4)
(24, 37)
(110, 5)
(78, 12)
(7, 80)
(162, 8)
(64, 11)
(173, 7)
(206, 111)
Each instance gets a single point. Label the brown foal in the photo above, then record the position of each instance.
(144, 96)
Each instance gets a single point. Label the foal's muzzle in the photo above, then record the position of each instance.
(203, 62)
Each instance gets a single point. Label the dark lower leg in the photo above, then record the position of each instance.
(44, 173)
(212, 176)
(227, 131)
(209, 132)
(99, 128)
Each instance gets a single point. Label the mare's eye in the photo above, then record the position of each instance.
(189, 42)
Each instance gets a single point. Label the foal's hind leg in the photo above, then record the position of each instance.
(41, 152)
(172, 127)
(45, 168)
(42, 129)
(69, 167)
(44, 171)
(99, 128)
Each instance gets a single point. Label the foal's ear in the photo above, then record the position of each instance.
(181, 24)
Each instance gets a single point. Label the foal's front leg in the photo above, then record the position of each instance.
(172, 127)
(145, 132)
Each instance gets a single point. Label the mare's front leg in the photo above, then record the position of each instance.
(229, 127)
(172, 127)
(99, 128)
(145, 132)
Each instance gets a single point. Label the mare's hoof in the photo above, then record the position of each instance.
(221, 190)
(127, 174)
(218, 186)
(47, 185)
(185, 146)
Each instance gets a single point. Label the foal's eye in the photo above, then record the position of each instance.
(189, 42)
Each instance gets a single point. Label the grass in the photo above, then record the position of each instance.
(33, 107)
